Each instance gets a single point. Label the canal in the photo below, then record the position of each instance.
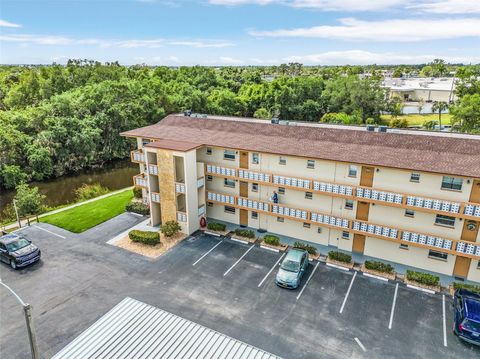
(61, 190)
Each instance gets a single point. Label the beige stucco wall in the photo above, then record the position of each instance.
(191, 191)
(474, 272)
(216, 157)
(166, 178)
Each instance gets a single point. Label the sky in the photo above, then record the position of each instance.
(240, 32)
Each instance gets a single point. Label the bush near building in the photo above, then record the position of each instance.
(423, 278)
(214, 226)
(247, 233)
(340, 257)
(470, 287)
(170, 228)
(310, 249)
(145, 237)
(271, 239)
(138, 207)
(137, 192)
(379, 266)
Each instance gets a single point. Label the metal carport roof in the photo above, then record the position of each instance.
(133, 329)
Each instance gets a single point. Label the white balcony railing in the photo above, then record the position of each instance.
(155, 197)
(153, 170)
(140, 181)
(179, 187)
(201, 210)
(137, 156)
(181, 216)
(200, 182)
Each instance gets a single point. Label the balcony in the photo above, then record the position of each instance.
(140, 181)
(201, 210)
(153, 170)
(179, 187)
(155, 197)
(181, 216)
(137, 156)
(200, 182)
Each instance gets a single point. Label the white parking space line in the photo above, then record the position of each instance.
(215, 246)
(348, 292)
(238, 261)
(393, 307)
(271, 270)
(308, 280)
(444, 322)
(360, 344)
(46, 230)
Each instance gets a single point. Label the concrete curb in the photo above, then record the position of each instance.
(375, 276)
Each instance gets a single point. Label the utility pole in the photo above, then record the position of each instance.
(16, 213)
(27, 311)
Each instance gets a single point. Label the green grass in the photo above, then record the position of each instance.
(418, 120)
(89, 215)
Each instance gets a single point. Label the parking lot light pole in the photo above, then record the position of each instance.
(27, 311)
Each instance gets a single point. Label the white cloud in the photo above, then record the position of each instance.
(202, 44)
(225, 60)
(402, 30)
(449, 7)
(361, 57)
(4, 23)
(37, 39)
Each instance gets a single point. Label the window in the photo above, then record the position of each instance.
(442, 220)
(345, 235)
(208, 151)
(281, 190)
(452, 183)
(319, 230)
(227, 182)
(403, 246)
(306, 225)
(308, 195)
(437, 255)
(352, 171)
(415, 177)
(478, 265)
(310, 163)
(254, 215)
(230, 210)
(282, 160)
(348, 204)
(280, 219)
(255, 158)
(210, 204)
(209, 178)
(254, 187)
(229, 155)
(145, 141)
(409, 213)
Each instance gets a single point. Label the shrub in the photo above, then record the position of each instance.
(247, 233)
(145, 237)
(89, 191)
(271, 239)
(170, 228)
(423, 278)
(310, 249)
(398, 123)
(470, 287)
(340, 257)
(214, 226)
(137, 192)
(138, 207)
(379, 266)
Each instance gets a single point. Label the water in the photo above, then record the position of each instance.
(61, 190)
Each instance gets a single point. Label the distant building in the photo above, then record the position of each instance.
(422, 89)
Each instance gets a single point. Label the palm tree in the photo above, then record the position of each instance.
(439, 106)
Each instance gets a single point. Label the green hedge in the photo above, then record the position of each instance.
(247, 233)
(170, 228)
(216, 226)
(379, 266)
(339, 256)
(470, 287)
(145, 237)
(137, 192)
(423, 278)
(271, 239)
(310, 249)
(138, 207)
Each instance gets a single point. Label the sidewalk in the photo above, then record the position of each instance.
(24, 221)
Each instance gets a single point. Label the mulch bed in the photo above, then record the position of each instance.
(341, 264)
(390, 276)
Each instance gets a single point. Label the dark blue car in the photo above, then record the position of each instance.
(466, 305)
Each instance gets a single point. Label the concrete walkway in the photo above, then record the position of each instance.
(24, 222)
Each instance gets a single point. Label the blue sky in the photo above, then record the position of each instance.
(238, 32)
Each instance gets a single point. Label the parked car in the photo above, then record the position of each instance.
(292, 269)
(466, 305)
(18, 251)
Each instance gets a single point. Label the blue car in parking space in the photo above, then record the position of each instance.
(466, 305)
(292, 269)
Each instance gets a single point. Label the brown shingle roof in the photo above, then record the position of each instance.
(174, 145)
(441, 154)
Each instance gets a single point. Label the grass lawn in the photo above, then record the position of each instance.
(418, 120)
(86, 216)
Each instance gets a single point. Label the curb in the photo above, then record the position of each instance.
(270, 249)
(421, 289)
(375, 276)
(338, 267)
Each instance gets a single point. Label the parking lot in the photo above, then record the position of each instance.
(229, 287)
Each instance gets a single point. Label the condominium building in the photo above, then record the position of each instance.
(407, 198)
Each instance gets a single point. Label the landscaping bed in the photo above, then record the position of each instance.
(378, 273)
(423, 280)
(244, 235)
(273, 243)
(471, 287)
(216, 229)
(312, 251)
(150, 251)
(340, 259)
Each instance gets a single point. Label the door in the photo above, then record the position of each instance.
(470, 231)
(475, 194)
(362, 211)
(462, 265)
(366, 178)
(358, 243)
(243, 218)
(3, 253)
(243, 189)
(243, 159)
